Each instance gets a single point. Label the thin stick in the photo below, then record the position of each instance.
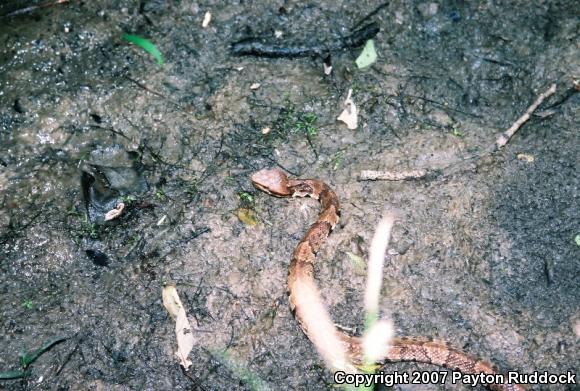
(34, 8)
(505, 137)
(159, 94)
(69, 355)
(370, 175)
(502, 140)
(370, 15)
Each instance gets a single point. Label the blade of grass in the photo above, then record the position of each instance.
(28, 358)
(8, 375)
(146, 45)
(377, 333)
(254, 382)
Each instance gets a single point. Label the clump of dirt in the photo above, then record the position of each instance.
(484, 257)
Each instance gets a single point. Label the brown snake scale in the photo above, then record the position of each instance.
(277, 183)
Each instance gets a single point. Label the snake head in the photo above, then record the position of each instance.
(272, 181)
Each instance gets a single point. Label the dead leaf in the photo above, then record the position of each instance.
(525, 157)
(206, 19)
(349, 115)
(368, 56)
(327, 65)
(183, 331)
(327, 69)
(255, 86)
(114, 213)
(247, 216)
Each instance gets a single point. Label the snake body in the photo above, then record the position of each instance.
(301, 272)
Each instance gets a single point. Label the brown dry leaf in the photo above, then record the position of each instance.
(349, 115)
(183, 332)
(247, 216)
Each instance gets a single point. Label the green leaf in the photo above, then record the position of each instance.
(146, 44)
(368, 56)
(246, 197)
(28, 358)
(13, 375)
(27, 304)
(458, 133)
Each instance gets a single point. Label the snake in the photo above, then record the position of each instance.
(275, 182)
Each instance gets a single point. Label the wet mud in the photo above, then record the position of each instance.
(484, 256)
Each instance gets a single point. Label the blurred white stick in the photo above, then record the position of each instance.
(377, 252)
(378, 333)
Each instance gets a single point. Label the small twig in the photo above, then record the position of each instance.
(34, 8)
(370, 175)
(115, 132)
(309, 139)
(257, 46)
(158, 94)
(502, 140)
(505, 137)
(200, 232)
(569, 93)
(370, 14)
(196, 381)
(443, 106)
(69, 355)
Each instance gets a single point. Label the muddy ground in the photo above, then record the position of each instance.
(483, 256)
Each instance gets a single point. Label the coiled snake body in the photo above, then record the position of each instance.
(301, 271)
